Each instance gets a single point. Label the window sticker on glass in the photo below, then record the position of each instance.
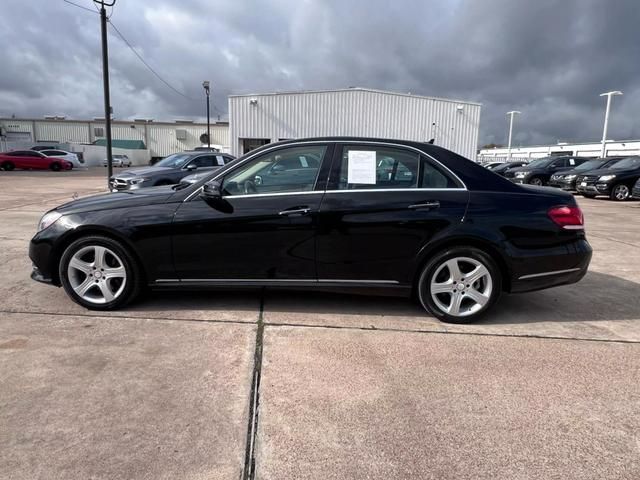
(362, 167)
(220, 160)
(303, 161)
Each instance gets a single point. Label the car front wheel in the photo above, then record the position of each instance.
(460, 284)
(620, 192)
(99, 273)
(536, 181)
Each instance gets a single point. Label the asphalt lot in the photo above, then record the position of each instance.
(548, 386)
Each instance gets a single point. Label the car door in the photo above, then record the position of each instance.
(258, 232)
(383, 204)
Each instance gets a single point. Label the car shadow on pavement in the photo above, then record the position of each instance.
(597, 297)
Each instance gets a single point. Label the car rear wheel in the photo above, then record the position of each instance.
(536, 181)
(55, 167)
(99, 273)
(8, 166)
(460, 285)
(620, 192)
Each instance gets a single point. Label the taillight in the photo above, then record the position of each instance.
(567, 217)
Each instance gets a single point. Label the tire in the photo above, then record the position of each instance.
(162, 182)
(537, 181)
(620, 192)
(8, 166)
(55, 167)
(86, 282)
(473, 300)
(588, 195)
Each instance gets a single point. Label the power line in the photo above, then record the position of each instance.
(147, 65)
(79, 6)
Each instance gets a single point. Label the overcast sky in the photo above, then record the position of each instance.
(549, 59)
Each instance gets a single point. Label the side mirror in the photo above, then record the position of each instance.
(191, 167)
(211, 192)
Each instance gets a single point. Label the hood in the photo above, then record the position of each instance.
(141, 171)
(613, 171)
(127, 198)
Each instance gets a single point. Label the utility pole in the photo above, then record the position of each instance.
(603, 151)
(105, 82)
(511, 114)
(205, 85)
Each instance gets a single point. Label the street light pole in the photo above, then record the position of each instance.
(603, 151)
(511, 114)
(105, 83)
(205, 84)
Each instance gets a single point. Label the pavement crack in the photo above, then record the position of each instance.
(450, 332)
(249, 468)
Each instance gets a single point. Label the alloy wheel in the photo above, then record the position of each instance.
(97, 274)
(536, 181)
(461, 286)
(621, 192)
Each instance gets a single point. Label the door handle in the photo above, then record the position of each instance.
(425, 205)
(295, 211)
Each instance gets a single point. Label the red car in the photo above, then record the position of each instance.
(32, 160)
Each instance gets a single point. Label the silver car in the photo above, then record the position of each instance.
(118, 161)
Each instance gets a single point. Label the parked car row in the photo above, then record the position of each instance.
(613, 177)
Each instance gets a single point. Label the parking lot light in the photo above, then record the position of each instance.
(511, 114)
(606, 119)
(205, 85)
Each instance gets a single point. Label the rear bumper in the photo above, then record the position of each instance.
(549, 267)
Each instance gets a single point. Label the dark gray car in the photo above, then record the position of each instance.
(169, 170)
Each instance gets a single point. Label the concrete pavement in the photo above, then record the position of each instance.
(350, 386)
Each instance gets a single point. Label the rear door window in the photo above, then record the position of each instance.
(366, 167)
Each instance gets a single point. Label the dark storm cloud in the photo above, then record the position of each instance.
(549, 59)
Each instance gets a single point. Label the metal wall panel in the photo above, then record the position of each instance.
(357, 112)
(160, 138)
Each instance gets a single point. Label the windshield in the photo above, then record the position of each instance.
(631, 162)
(590, 165)
(540, 162)
(173, 161)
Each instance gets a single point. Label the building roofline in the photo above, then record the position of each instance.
(357, 89)
(125, 122)
(563, 144)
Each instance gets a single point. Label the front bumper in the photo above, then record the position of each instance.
(593, 188)
(549, 267)
(567, 185)
(118, 185)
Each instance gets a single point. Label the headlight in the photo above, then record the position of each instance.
(136, 181)
(570, 177)
(48, 219)
(606, 178)
(521, 174)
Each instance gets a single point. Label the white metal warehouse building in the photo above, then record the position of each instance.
(160, 138)
(259, 119)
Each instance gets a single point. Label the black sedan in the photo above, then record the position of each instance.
(169, 170)
(615, 182)
(410, 218)
(567, 179)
